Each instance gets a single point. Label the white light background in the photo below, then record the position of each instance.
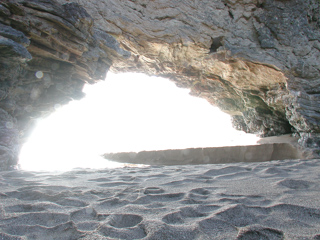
(126, 112)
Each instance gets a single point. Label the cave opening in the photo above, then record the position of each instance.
(126, 112)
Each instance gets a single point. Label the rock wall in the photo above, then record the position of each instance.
(257, 60)
(48, 52)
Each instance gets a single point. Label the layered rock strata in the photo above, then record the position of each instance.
(48, 52)
(257, 60)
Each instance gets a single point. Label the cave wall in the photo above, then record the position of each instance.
(257, 60)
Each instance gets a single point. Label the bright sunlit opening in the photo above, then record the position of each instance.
(127, 112)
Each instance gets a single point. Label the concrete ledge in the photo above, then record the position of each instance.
(250, 153)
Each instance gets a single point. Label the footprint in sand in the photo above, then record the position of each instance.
(164, 176)
(136, 232)
(170, 197)
(181, 216)
(63, 231)
(217, 229)
(101, 194)
(127, 178)
(24, 208)
(41, 218)
(71, 202)
(200, 191)
(182, 182)
(87, 226)
(83, 214)
(37, 207)
(259, 232)
(295, 184)
(226, 170)
(207, 208)
(173, 218)
(124, 220)
(196, 196)
(153, 190)
(101, 180)
(116, 184)
(112, 203)
(276, 171)
(29, 195)
(123, 226)
(189, 200)
(245, 215)
(296, 213)
(234, 176)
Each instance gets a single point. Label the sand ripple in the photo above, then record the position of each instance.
(272, 200)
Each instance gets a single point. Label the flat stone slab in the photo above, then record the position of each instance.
(228, 154)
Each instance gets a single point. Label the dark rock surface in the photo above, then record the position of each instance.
(48, 52)
(257, 60)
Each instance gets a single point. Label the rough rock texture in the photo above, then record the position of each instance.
(48, 52)
(257, 60)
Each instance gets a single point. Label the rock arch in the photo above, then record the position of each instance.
(257, 60)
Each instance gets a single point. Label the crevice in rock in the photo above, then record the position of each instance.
(215, 44)
(231, 14)
(261, 4)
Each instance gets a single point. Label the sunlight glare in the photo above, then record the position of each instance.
(127, 112)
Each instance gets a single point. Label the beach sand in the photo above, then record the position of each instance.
(264, 200)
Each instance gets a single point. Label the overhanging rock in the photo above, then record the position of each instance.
(257, 60)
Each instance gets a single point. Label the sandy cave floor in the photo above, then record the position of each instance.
(266, 200)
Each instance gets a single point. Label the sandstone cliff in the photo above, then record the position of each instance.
(257, 60)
